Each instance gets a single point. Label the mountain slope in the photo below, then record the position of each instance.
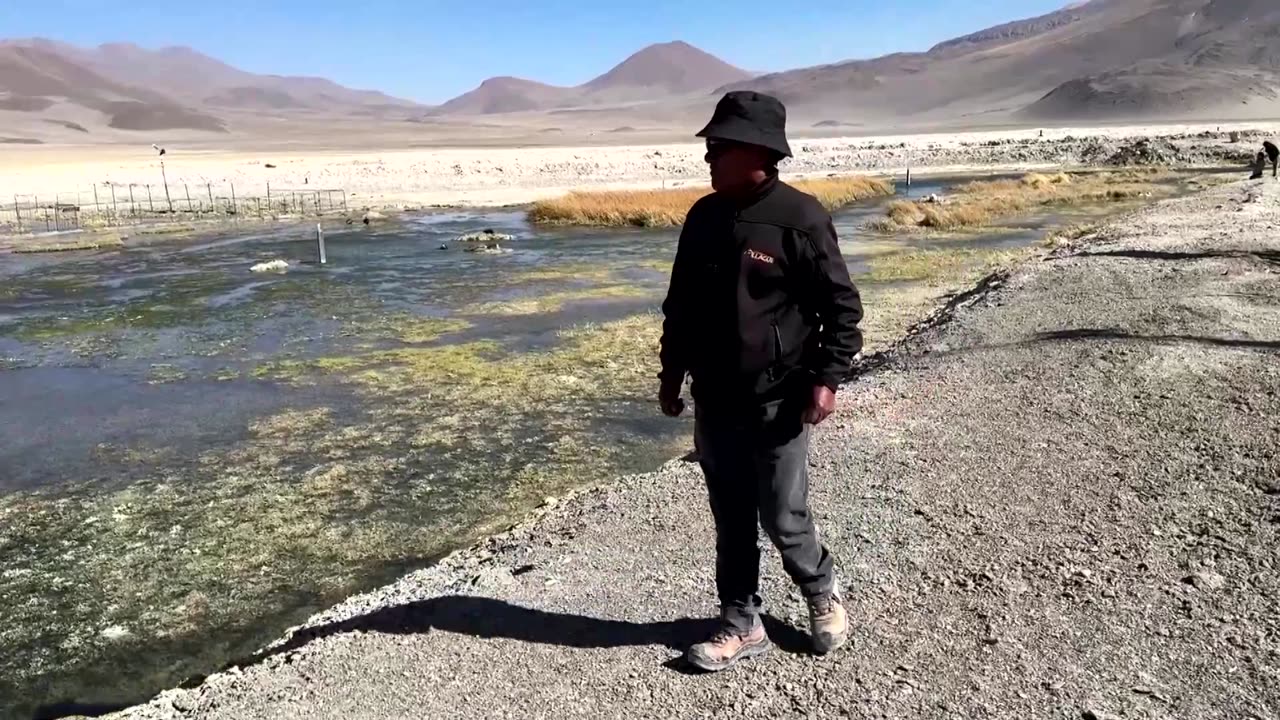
(198, 79)
(169, 88)
(674, 67)
(505, 95)
(34, 79)
(1107, 59)
(654, 73)
(1095, 60)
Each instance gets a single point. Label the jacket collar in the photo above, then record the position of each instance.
(756, 194)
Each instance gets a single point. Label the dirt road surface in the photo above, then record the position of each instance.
(1062, 500)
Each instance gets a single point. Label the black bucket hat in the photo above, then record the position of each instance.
(750, 117)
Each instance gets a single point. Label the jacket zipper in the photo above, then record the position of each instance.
(777, 351)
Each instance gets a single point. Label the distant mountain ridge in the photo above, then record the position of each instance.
(169, 88)
(656, 72)
(1094, 60)
(1100, 60)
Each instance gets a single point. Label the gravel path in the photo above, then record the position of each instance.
(1061, 502)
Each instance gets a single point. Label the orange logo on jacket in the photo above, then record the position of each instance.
(757, 255)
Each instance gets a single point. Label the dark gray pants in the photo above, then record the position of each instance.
(757, 470)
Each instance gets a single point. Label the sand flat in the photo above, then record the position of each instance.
(480, 176)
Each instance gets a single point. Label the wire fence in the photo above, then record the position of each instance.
(117, 205)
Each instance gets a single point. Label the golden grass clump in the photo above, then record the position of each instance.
(836, 192)
(1040, 181)
(982, 202)
(668, 208)
(1067, 236)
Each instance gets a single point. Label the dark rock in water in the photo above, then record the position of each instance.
(487, 249)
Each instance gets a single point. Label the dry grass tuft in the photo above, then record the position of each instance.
(980, 203)
(667, 208)
(1067, 236)
(1040, 181)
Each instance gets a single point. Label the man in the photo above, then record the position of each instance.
(762, 316)
(1273, 154)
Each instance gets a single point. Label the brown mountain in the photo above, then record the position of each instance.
(1090, 61)
(36, 78)
(171, 88)
(655, 73)
(198, 79)
(505, 95)
(1101, 60)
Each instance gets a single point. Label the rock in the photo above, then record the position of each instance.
(270, 266)
(1206, 580)
(115, 632)
(183, 702)
(549, 502)
(486, 236)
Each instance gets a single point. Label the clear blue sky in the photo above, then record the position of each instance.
(430, 51)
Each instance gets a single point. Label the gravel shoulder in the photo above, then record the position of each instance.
(1060, 499)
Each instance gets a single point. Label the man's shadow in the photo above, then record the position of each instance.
(483, 617)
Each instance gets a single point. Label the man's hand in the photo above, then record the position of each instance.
(669, 399)
(821, 405)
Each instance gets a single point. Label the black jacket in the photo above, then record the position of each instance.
(760, 301)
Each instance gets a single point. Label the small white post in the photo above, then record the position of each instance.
(320, 243)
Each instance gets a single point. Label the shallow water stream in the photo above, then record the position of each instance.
(195, 456)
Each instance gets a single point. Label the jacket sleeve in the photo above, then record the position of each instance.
(838, 305)
(674, 343)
